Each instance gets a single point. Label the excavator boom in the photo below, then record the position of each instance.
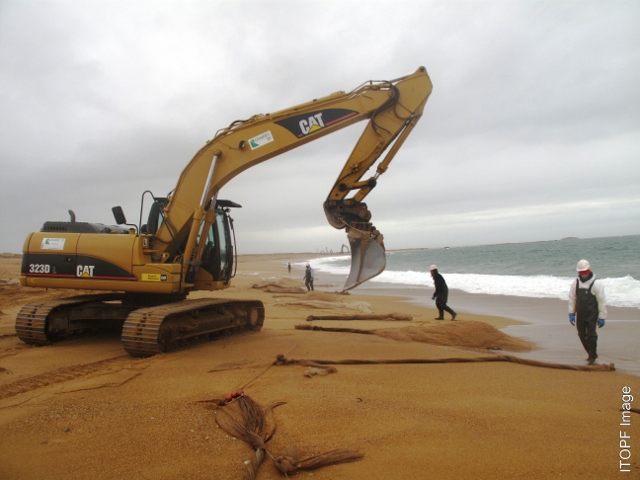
(392, 108)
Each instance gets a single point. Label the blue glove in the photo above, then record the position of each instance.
(600, 322)
(572, 318)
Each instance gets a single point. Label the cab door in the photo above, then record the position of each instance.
(217, 257)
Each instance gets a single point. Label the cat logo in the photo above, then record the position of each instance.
(312, 122)
(84, 271)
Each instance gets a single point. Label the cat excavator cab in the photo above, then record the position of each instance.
(187, 244)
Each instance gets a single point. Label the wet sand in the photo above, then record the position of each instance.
(544, 322)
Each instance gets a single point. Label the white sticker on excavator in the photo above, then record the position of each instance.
(261, 140)
(52, 244)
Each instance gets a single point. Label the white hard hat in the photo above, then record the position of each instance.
(433, 267)
(583, 265)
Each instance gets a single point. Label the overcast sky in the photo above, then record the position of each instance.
(532, 131)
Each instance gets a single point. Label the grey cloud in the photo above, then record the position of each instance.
(530, 133)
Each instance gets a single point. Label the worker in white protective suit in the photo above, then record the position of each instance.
(587, 308)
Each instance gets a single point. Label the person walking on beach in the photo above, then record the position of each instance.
(289, 267)
(308, 277)
(587, 308)
(441, 295)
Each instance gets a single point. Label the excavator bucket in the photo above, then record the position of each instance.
(367, 256)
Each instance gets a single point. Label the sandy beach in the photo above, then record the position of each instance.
(83, 408)
(543, 322)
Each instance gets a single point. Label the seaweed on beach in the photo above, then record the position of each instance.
(243, 418)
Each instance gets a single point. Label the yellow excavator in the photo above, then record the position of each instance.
(187, 243)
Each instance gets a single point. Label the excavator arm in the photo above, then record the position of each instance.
(392, 109)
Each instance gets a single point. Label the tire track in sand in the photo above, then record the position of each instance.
(61, 375)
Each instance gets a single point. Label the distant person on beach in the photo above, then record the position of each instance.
(587, 308)
(441, 295)
(308, 277)
(289, 267)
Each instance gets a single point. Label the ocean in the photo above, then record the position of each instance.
(536, 269)
(528, 282)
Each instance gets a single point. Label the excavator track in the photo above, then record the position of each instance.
(146, 331)
(152, 330)
(32, 321)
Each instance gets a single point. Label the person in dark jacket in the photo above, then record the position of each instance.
(441, 295)
(587, 308)
(308, 277)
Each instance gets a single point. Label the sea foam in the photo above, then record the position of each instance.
(620, 292)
